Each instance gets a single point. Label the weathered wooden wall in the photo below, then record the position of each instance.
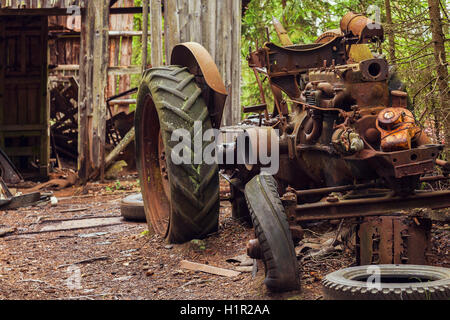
(216, 24)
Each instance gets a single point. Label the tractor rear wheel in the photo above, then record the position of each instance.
(181, 200)
(273, 234)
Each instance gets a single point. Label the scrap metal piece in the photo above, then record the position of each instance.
(365, 29)
(8, 171)
(23, 200)
(393, 240)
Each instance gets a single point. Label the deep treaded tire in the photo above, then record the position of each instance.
(272, 231)
(132, 208)
(193, 193)
(398, 282)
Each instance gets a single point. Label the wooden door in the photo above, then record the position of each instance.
(24, 115)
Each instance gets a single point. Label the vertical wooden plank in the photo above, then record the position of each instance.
(145, 34)
(93, 78)
(156, 33)
(236, 15)
(220, 48)
(209, 25)
(171, 27)
(227, 58)
(195, 27)
(83, 147)
(183, 19)
(100, 67)
(2, 79)
(44, 102)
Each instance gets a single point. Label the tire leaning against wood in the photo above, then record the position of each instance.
(272, 231)
(194, 189)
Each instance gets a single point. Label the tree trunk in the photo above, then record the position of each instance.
(441, 67)
(390, 30)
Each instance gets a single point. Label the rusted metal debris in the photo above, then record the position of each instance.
(393, 240)
(8, 201)
(8, 171)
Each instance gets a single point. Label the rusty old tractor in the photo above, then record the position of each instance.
(343, 132)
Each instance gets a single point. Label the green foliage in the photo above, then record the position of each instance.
(305, 20)
(199, 245)
(145, 233)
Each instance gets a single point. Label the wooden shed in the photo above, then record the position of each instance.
(24, 102)
(25, 63)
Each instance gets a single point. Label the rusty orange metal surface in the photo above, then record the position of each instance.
(397, 127)
(359, 26)
(191, 53)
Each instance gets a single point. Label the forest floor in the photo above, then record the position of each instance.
(123, 261)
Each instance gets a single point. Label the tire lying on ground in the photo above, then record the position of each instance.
(181, 200)
(397, 282)
(132, 208)
(272, 231)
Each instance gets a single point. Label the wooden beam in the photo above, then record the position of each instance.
(156, 33)
(126, 10)
(145, 34)
(93, 79)
(101, 59)
(195, 27)
(34, 12)
(171, 27)
(236, 61)
(209, 11)
(208, 269)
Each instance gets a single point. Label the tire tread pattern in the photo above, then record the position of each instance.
(194, 188)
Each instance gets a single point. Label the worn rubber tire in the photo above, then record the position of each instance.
(340, 285)
(272, 231)
(194, 189)
(132, 208)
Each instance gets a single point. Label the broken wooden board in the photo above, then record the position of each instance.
(81, 224)
(6, 231)
(208, 269)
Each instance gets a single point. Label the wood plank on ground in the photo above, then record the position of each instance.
(81, 224)
(208, 269)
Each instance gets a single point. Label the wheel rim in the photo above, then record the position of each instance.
(154, 172)
(163, 166)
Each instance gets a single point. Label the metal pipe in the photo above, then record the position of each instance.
(336, 189)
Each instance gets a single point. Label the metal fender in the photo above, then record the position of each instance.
(200, 63)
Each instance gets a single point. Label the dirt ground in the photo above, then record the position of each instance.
(123, 261)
